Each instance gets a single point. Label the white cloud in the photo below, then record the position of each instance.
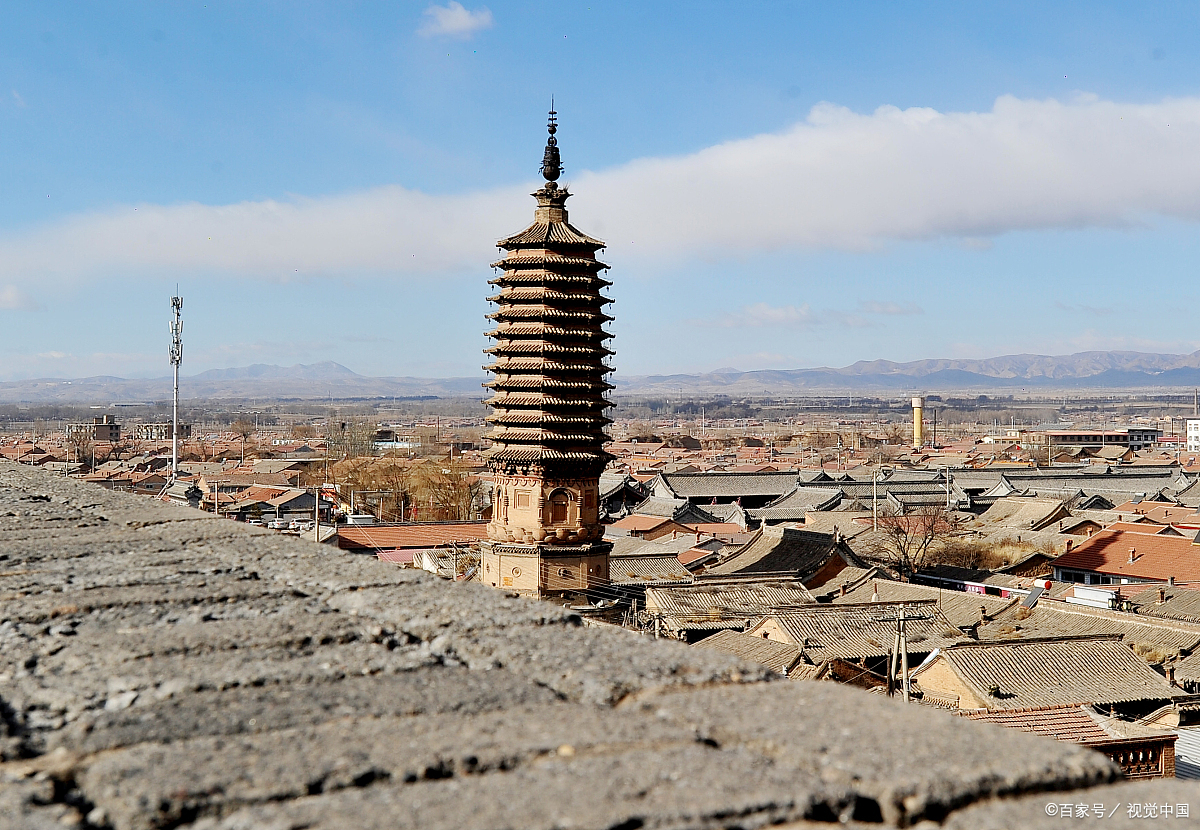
(14, 299)
(452, 20)
(889, 308)
(762, 314)
(837, 180)
(388, 229)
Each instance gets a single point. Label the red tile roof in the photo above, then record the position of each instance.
(640, 524)
(1155, 557)
(418, 536)
(1063, 723)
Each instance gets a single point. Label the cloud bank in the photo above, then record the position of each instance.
(452, 20)
(839, 179)
(13, 298)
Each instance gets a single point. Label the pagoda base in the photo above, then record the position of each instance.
(540, 570)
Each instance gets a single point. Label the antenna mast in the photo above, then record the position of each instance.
(176, 359)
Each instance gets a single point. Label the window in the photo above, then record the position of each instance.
(522, 498)
(558, 507)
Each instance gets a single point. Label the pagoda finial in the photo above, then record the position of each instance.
(551, 163)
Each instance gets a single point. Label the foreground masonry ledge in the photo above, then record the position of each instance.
(161, 668)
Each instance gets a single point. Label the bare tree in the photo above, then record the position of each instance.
(445, 493)
(906, 540)
(350, 439)
(79, 441)
(243, 429)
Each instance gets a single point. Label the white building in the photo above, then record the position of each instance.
(1192, 434)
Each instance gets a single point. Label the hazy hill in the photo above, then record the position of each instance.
(307, 382)
(1042, 373)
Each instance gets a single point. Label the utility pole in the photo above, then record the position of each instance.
(176, 359)
(900, 648)
(875, 501)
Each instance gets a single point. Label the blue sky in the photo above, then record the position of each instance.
(782, 184)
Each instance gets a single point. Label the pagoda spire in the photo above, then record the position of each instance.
(551, 162)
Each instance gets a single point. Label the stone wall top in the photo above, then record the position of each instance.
(162, 668)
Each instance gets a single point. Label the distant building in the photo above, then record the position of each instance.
(1192, 435)
(160, 432)
(1134, 438)
(102, 428)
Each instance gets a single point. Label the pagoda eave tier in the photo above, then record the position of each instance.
(542, 455)
(534, 400)
(549, 260)
(526, 313)
(541, 348)
(550, 233)
(575, 281)
(523, 383)
(521, 417)
(537, 294)
(528, 328)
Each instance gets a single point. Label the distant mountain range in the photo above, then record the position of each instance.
(1043, 373)
(261, 381)
(1097, 371)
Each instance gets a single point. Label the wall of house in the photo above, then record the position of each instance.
(938, 677)
(1145, 759)
(769, 629)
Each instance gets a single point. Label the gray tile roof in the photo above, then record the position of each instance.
(722, 603)
(729, 485)
(856, 632)
(791, 507)
(786, 550)
(959, 607)
(1028, 674)
(643, 568)
(1022, 512)
(779, 657)
(1051, 619)
(1177, 603)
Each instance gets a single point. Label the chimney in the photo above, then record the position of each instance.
(1170, 671)
(1069, 545)
(1132, 555)
(842, 590)
(1171, 581)
(983, 615)
(918, 406)
(1162, 594)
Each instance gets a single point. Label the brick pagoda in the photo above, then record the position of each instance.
(548, 403)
